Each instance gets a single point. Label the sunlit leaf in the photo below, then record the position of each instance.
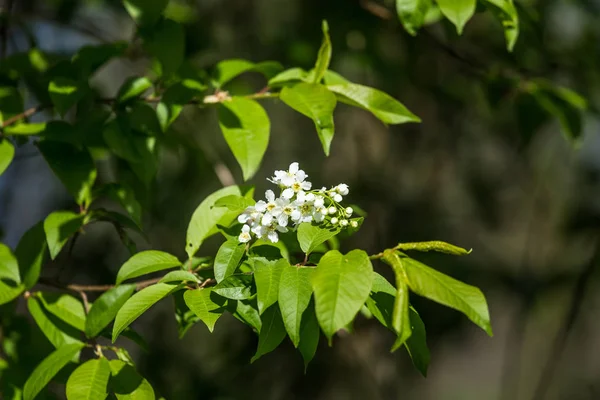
(66, 307)
(89, 381)
(127, 384)
(311, 236)
(208, 306)
(267, 275)
(146, 262)
(105, 308)
(295, 292)
(7, 153)
(59, 227)
(412, 13)
(459, 12)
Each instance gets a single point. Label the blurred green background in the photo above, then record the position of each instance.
(487, 169)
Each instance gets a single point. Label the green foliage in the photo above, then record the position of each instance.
(146, 262)
(65, 307)
(457, 11)
(59, 227)
(89, 381)
(267, 276)
(207, 305)
(412, 13)
(127, 384)
(295, 292)
(272, 332)
(7, 153)
(105, 308)
(312, 236)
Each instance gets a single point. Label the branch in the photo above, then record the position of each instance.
(94, 288)
(219, 97)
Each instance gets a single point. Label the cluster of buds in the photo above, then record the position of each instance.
(296, 204)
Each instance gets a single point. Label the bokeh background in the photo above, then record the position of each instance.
(486, 169)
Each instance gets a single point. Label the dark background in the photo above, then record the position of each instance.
(486, 169)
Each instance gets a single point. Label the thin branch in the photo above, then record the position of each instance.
(94, 288)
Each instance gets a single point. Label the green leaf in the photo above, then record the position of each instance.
(30, 253)
(48, 368)
(105, 309)
(9, 291)
(295, 292)
(458, 11)
(441, 288)
(228, 258)
(227, 70)
(412, 13)
(400, 316)
(438, 246)
(235, 287)
(166, 42)
(416, 344)
(145, 12)
(311, 236)
(381, 300)
(125, 196)
(7, 153)
(74, 167)
(138, 304)
(179, 276)
(235, 203)
(246, 311)
(25, 129)
(89, 58)
(342, 284)
(58, 333)
(323, 57)
(246, 128)
(562, 103)
(315, 102)
(309, 335)
(289, 75)
(267, 275)
(175, 98)
(133, 87)
(146, 262)
(271, 334)
(59, 227)
(208, 306)
(64, 93)
(9, 267)
(506, 12)
(66, 307)
(380, 104)
(89, 381)
(127, 383)
(206, 217)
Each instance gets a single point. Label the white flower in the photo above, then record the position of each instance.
(293, 178)
(319, 214)
(342, 189)
(334, 220)
(344, 222)
(272, 232)
(319, 201)
(303, 212)
(337, 197)
(286, 211)
(245, 235)
(354, 224)
(250, 216)
(349, 211)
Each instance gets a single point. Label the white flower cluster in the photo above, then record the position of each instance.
(296, 203)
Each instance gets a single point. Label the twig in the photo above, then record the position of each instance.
(95, 288)
(561, 338)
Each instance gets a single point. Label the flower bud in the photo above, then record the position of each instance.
(332, 210)
(344, 222)
(334, 220)
(337, 197)
(349, 211)
(354, 224)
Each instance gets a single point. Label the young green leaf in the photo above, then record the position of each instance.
(133, 87)
(309, 335)
(437, 246)
(166, 42)
(311, 236)
(59, 227)
(146, 262)
(145, 12)
(48, 368)
(57, 332)
(228, 258)
(380, 104)
(400, 317)
(315, 102)
(267, 275)
(206, 217)
(105, 309)
(227, 70)
(341, 284)
(506, 12)
(441, 288)
(127, 384)
(30, 253)
(7, 153)
(247, 312)
(65, 93)
(412, 13)
(208, 306)
(179, 276)
(74, 167)
(235, 287)
(271, 334)
(295, 292)
(66, 307)
(287, 76)
(457, 11)
(235, 203)
(246, 128)
(138, 304)
(9, 291)
(416, 344)
(89, 381)
(9, 267)
(323, 58)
